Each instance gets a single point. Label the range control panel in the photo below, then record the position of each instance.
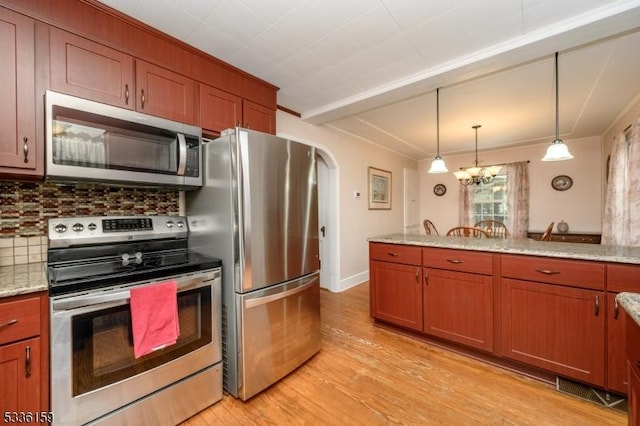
(64, 232)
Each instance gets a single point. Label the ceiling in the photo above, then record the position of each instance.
(370, 68)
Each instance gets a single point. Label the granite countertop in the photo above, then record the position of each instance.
(519, 246)
(631, 303)
(23, 279)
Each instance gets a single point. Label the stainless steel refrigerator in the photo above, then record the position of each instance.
(258, 212)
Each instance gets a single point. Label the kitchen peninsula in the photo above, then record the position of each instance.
(543, 308)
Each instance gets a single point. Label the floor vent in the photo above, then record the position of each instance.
(596, 396)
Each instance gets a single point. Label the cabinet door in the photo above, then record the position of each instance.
(616, 346)
(17, 92)
(258, 117)
(458, 306)
(219, 110)
(163, 93)
(90, 70)
(20, 376)
(560, 329)
(396, 294)
(634, 397)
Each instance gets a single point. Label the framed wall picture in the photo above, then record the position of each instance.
(379, 189)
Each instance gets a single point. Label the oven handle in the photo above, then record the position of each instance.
(121, 296)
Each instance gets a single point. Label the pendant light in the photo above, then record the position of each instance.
(557, 151)
(438, 166)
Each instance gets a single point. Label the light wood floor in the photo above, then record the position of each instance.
(365, 375)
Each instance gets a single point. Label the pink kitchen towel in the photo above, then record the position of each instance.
(154, 317)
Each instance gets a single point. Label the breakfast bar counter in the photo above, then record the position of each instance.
(513, 301)
(525, 246)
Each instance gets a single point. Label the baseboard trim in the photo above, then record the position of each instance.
(353, 280)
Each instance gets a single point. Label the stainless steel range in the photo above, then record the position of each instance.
(93, 263)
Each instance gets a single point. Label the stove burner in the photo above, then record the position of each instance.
(170, 260)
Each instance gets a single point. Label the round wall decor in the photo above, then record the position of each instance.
(439, 189)
(561, 182)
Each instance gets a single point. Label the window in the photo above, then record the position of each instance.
(490, 200)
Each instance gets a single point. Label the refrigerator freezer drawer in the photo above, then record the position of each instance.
(280, 330)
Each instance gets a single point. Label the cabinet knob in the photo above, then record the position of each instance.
(126, 94)
(142, 99)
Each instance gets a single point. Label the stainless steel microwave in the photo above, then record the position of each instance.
(90, 141)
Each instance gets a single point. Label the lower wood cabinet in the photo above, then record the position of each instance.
(458, 306)
(396, 293)
(632, 338)
(24, 354)
(617, 378)
(555, 314)
(633, 398)
(20, 377)
(558, 328)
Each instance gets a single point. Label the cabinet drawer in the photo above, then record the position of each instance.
(19, 319)
(408, 255)
(623, 278)
(572, 273)
(458, 260)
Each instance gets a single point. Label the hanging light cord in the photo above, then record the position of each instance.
(557, 109)
(476, 127)
(438, 121)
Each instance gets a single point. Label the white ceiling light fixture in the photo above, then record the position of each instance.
(438, 166)
(557, 151)
(476, 174)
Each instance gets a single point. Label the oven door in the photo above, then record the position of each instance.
(93, 368)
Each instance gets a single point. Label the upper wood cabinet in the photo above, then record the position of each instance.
(164, 93)
(18, 151)
(219, 110)
(258, 117)
(93, 71)
(90, 70)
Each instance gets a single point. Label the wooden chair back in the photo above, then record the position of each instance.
(468, 231)
(547, 233)
(429, 227)
(494, 228)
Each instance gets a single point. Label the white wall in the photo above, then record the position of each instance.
(580, 206)
(357, 222)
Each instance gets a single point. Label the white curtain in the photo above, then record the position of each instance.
(621, 225)
(465, 205)
(518, 199)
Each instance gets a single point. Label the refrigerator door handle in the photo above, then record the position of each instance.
(251, 303)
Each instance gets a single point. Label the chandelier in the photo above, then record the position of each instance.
(476, 174)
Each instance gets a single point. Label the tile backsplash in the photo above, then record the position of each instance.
(26, 207)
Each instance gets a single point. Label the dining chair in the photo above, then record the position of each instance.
(547, 233)
(429, 227)
(494, 228)
(468, 231)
